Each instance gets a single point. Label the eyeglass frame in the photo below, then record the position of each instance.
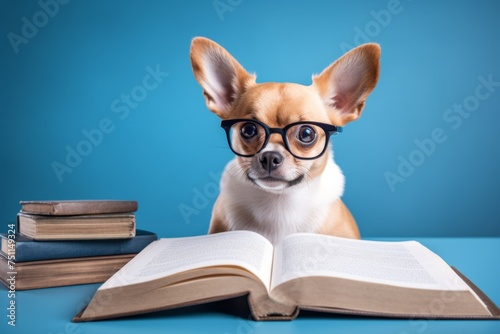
(328, 128)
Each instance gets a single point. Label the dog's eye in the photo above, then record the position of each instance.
(306, 134)
(248, 130)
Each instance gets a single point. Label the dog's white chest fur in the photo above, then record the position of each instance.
(301, 208)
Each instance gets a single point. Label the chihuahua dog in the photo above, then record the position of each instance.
(283, 179)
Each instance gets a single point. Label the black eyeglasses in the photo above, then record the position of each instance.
(304, 140)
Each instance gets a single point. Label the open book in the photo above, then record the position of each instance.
(304, 271)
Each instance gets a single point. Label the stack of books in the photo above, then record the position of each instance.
(58, 243)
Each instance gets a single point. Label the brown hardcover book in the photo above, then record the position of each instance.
(79, 207)
(62, 272)
(304, 271)
(110, 226)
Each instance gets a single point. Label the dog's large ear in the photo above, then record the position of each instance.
(222, 78)
(345, 84)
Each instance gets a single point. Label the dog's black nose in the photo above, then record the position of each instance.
(271, 160)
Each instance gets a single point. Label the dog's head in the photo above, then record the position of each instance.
(280, 131)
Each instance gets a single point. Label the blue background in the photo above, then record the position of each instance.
(168, 151)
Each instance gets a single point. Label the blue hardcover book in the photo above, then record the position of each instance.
(24, 249)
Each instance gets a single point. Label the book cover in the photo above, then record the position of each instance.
(61, 272)
(25, 249)
(78, 207)
(81, 227)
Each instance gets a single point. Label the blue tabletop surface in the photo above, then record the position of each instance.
(50, 310)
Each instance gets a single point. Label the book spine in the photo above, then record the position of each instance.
(30, 250)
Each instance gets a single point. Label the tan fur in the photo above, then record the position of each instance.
(336, 96)
(340, 222)
(217, 222)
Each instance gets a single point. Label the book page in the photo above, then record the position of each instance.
(407, 264)
(169, 256)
